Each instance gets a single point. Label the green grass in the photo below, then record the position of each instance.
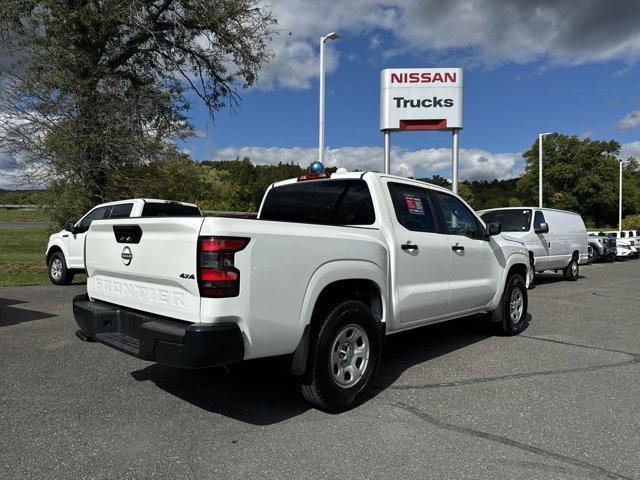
(22, 216)
(22, 259)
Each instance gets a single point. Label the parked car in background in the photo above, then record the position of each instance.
(65, 250)
(625, 251)
(332, 264)
(624, 239)
(556, 239)
(602, 248)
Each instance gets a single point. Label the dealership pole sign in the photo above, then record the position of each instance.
(421, 99)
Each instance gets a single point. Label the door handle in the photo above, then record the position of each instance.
(409, 247)
(457, 248)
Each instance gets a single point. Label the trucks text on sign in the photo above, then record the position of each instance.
(421, 99)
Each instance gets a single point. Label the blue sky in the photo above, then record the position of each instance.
(531, 69)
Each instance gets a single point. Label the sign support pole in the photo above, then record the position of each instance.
(387, 151)
(455, 150)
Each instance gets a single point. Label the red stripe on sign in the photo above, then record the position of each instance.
(423, 124)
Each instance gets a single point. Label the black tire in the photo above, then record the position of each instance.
(595, 256)
(502, 318)
(59, 274)
(320, 386)
(572, 270)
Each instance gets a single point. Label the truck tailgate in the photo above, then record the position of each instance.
(146, 264)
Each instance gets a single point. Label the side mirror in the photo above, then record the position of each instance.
(493, 228)
(69, 226)
(543, 228)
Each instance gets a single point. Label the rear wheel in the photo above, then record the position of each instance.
(595, 256)
(344, 359)
(572, 270)
(59, 274)
(511, 316)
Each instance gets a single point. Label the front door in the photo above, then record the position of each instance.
(542, 243)
(76, 240)
(421, 254)
(474, 257)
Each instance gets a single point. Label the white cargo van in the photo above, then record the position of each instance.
(556, 239)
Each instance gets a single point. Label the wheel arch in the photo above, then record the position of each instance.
(332, 284)
(53, 249)
(516, 263)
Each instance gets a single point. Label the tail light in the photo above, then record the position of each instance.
(217, 274)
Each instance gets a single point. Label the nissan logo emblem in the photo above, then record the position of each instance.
(126, 255)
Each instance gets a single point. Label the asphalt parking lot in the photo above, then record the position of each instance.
(560, 401)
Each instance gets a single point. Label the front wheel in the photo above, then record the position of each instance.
(595, 256)
(345, 358)
(59, 274)
(572, 270)
(511, 316)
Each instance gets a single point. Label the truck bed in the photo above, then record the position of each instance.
(157, 273)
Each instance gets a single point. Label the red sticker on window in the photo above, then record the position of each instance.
(414, 204)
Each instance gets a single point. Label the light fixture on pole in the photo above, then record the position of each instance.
(620, 200)
(329, 36)
(540, 167)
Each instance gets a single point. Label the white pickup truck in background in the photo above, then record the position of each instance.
(332, 264)
(65, 250)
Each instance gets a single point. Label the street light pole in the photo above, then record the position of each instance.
(620, 200)
(330, 36)
(455, 146)
(540, 167)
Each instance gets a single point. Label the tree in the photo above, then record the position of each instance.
(465, 192)
(92, 89)
(580, 174)
(631, 222)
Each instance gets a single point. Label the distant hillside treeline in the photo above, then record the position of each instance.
(581, 175)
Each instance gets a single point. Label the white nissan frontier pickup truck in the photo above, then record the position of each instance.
(332, 264)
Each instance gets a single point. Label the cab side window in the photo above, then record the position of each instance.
(96, 214)
(122, 210)
(458, 219)
(537, 220)
(412, 207)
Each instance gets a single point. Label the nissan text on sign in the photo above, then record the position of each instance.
(420, 99)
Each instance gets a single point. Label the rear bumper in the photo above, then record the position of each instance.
(171, 342)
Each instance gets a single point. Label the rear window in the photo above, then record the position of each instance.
(169, 209)
(325, 202)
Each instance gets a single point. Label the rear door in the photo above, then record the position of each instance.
(474, 265)
(148, 264)
(421, 254)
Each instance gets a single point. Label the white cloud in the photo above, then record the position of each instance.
(631, 149)
(301, 23)
(461, 32)
(630, 120)
(475, 164)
